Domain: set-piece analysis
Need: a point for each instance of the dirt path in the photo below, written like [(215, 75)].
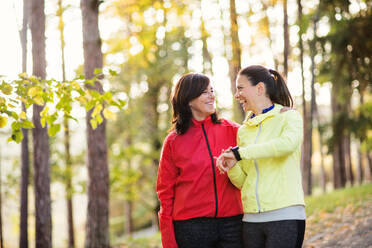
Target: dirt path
[(349, 226)]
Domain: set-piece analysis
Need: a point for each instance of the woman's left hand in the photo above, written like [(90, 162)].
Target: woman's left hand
[(226, 161)]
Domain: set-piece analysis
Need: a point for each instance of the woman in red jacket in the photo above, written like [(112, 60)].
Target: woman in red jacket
[(199, 206)]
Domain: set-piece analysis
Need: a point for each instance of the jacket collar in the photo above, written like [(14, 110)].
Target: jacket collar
[(261, 117), (206, 121)]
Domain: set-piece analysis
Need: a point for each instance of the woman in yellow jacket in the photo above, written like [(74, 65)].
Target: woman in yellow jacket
[(266, 163)]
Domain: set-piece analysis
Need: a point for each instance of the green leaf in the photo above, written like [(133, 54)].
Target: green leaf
[(71, 117), (122, 103), (97, 71), (17, 136), (113, 73), (107, 96), (27, 124), (53, 129), (15, 116)]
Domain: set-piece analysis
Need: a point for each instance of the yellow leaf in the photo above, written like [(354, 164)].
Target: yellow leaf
[(93, 122), (32, 91), (22, 115), (82, 100), (39, 100), (108, 114), (97, 110), (22, 75), (76, 85), (3, 121), (44, 112)]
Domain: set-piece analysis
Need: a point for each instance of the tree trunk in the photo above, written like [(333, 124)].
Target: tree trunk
[(97, 223), (348, 164), (305, 158), (360, 174), (339, 175), (69, 191), (235, 62), (268, 34), (43, 237), (286, 38), (323, 177), (308, 120), (152, 99), (207, 58), (25, 160), (128, 208), (68, 172), (369, 169)]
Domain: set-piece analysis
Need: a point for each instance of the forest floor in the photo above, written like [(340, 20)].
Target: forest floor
[(341, 218), (345, 226)]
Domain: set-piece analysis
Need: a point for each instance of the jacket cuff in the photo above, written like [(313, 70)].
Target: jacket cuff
[(168, 238)]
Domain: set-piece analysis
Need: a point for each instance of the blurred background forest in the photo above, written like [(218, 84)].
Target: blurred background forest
[(76, 182)]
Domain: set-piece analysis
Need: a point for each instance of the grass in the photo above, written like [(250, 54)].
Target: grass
[(339, 198)]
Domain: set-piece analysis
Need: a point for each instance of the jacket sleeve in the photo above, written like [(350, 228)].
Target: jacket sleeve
[(286, 143), (237, 176), (167, 176)]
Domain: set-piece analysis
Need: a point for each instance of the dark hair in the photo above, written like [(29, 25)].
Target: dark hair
[(276, 88), (189, 87)]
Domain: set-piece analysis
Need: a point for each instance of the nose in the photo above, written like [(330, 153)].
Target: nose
[(211, 94), (236, 95)]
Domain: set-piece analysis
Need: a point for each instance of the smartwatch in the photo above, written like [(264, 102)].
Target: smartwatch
[(235, 150)]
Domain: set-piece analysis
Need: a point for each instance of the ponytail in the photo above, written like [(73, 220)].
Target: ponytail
[(276, 88), (282, 94)]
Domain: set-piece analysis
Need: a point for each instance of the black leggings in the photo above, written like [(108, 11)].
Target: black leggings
[(225, 232), (274, 234)]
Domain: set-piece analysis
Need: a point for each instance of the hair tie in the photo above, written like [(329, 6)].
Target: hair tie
[(272, 73)]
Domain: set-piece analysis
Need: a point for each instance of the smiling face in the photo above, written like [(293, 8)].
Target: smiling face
[(246, 93), (204, 105)]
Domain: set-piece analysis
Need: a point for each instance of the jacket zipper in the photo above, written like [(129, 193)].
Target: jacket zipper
[(214, 173), (257, 172)]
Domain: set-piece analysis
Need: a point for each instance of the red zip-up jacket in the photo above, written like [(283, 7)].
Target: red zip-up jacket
[(189, 185)]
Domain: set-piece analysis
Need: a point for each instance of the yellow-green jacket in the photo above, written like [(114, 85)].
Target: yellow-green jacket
[(269, 174)]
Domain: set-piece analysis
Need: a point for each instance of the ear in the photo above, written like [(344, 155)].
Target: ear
[(261, 90)]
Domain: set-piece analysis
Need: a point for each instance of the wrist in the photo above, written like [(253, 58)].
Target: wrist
[(236, 153)]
